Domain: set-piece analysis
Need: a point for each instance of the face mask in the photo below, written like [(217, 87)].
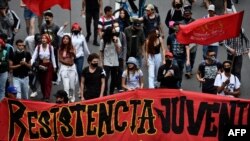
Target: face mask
[(75, 32), (94, 65), (213, 59), (186, 19), (168, 62), (19, 51), (227, 70), (47, 22), (117, 29), (178, 6), (59, 102)]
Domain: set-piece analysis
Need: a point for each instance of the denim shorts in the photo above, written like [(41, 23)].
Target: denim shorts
[(28, 14)]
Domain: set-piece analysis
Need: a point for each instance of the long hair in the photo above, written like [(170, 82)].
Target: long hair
[(152, 37), (68, 46), (108, 35), (135, 69)]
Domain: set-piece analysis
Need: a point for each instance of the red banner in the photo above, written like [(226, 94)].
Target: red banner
[(39, 6), (143, 115), (211, 30)]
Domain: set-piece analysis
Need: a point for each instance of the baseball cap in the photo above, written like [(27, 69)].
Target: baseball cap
[(169, 54), (150, 7), (136, 23), (211, 7), (12, 89)]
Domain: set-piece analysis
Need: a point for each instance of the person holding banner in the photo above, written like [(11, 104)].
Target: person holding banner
[(227, 83)]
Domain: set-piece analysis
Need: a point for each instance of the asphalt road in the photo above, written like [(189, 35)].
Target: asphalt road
[(60, 16)]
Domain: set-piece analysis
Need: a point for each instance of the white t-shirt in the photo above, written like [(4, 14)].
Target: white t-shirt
[(233, 84), (110, 55), (134, 79), (30, 43)]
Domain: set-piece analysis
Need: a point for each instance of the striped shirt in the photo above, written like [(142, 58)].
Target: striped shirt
[(238, 44), (103, 23)]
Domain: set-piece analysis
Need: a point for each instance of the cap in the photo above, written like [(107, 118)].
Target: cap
[(136, 23), (132, 60), (169, 54), (12, 89), (76, 26), (150, 7), (211, 7)]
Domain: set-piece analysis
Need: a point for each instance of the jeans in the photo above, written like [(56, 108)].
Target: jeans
[(3, 79), (22, 87), (120, 71), (205, 48), (192, 59), (95, 16), (180, 63), (69, 75), (141, 7), (113, 70), (237, 65), (154, 63), (79, 66)]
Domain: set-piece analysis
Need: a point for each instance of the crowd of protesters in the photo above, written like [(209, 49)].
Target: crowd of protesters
[(125, 43)]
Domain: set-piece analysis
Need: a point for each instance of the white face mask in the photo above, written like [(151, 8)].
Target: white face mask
[(117, 29)]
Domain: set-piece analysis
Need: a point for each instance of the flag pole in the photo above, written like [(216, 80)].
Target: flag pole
[(70, 18)]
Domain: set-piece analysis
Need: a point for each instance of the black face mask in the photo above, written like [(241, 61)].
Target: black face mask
[(59, 102), (227, 70), (168, 62), (76, 32), (94, 65), (116, 34), (178, 6), (47, 22)]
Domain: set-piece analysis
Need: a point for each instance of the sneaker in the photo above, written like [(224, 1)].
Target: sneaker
[(33, 94), (96, 43)]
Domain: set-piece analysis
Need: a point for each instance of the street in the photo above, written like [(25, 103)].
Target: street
[(61, 16)]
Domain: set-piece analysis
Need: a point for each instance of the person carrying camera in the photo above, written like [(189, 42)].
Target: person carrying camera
[(44, 60)]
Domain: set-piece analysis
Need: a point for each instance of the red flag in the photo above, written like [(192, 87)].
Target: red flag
[(39, 6), (210, 30)]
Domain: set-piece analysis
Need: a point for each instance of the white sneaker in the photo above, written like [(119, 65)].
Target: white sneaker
[(34, 94)]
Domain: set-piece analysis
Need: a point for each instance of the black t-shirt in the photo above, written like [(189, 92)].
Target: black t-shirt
[(17, 58), (171, 81), (52, 32), (209, 72), (92, 83), (151, 24)]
